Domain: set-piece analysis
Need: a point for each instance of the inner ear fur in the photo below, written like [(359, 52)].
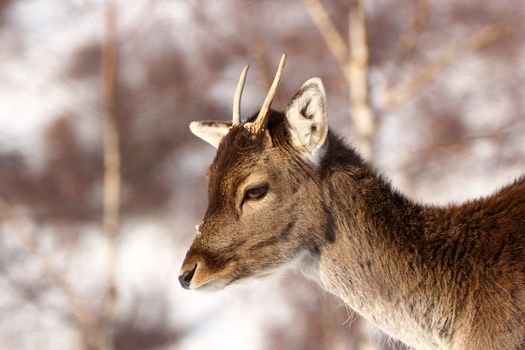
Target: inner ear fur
[(210, 131), (306, 117)]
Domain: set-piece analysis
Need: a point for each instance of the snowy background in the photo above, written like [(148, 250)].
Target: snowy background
[(459, 134)]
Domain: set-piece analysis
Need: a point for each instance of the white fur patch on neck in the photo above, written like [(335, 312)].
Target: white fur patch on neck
[(308, 265), (316, 157)]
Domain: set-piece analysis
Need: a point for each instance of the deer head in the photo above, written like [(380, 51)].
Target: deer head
[(263, 209)]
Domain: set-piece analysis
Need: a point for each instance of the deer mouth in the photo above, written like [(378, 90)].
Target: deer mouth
[(215, 285)]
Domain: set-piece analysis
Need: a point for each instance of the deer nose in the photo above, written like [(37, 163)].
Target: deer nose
[(186, 276)]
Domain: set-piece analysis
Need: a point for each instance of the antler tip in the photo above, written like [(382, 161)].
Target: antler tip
[(260, 122), (236, 118)]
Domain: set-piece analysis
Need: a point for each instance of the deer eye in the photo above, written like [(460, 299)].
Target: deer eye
[(255, 193)]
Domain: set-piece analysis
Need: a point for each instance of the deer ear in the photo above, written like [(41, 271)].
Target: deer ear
[(306, 117), (210, 131)]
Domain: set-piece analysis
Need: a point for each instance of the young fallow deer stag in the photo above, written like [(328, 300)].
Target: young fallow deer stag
[(283, 188)]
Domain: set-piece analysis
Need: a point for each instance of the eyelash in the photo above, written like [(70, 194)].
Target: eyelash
[(255, 193)]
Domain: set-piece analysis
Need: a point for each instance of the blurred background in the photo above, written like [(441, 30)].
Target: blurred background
[(101, 182)]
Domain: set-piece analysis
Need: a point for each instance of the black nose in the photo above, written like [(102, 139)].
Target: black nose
[(185, 278)]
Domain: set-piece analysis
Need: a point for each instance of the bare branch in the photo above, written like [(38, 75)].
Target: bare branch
[(428, 153), (82, 314), (361, 110), (112, 176), (331, 36), (353, 60), (428, 73), (408, 39)]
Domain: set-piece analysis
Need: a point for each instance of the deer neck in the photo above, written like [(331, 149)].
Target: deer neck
[(375, 262)]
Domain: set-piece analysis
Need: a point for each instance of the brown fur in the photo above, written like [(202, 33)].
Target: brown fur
[(434, 277)]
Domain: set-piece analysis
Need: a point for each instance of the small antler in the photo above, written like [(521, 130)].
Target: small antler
[(236, 119), (260, 123)]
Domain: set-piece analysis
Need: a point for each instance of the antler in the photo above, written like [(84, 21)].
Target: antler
[(236, 119), (260, 123)]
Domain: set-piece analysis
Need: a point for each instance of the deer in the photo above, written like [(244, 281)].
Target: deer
[(284, 191)]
